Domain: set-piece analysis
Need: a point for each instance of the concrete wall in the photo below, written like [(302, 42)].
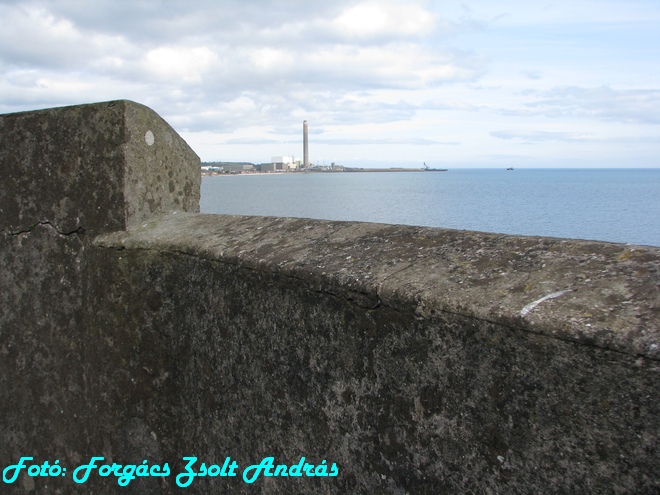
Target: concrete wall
[(418, 360)]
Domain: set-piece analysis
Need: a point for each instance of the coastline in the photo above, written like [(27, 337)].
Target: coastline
[(208, 173)]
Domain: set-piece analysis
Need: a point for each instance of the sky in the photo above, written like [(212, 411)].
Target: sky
[(381, 82)]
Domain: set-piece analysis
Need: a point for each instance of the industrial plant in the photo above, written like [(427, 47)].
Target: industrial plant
[(289, 163), (281, 163)]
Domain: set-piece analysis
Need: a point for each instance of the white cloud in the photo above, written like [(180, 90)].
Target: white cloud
[(604, 103), (383, 19), (33, 36), (272, 60), (532, 74), (400, 65), (527, 136), (539, 136), (407, 73), (184, 64)]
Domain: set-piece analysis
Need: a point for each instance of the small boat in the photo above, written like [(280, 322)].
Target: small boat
[(510, 168)]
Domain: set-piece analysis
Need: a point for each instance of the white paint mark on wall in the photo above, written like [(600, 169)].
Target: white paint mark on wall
[(533, 305)]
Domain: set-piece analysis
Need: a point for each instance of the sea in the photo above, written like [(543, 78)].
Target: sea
[(616, 205)]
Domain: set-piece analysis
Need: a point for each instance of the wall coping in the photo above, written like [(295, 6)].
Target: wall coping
[(592, 293)]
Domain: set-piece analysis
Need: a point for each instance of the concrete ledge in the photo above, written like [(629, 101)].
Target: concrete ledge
[(594, 293), (403, 354), (98, 167)]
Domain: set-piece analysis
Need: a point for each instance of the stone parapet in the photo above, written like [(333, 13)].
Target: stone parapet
[(594, 293), (417, 360)]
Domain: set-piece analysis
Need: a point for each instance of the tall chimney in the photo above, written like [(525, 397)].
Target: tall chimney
[(305, 146)]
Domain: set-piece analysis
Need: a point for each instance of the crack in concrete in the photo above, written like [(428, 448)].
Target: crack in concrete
[(79, 231)]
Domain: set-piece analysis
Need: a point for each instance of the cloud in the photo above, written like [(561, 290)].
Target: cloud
[(382, 141), (365, 72), (195, 60), (183, 64), (257, 141), (569, 137), (534, 75), (378, 20), (640, 106), (34, 37), (539, 136)]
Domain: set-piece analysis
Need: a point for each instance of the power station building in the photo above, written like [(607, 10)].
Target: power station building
[(289, 163), (281, 164)]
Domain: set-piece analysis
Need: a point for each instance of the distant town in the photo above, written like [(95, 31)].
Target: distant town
[(282, 164), (288, 164)]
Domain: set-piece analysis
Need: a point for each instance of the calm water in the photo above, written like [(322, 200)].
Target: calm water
[(608, 205)]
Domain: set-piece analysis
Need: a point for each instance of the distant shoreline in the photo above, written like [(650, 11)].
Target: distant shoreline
[(395, 170), (312, 171)]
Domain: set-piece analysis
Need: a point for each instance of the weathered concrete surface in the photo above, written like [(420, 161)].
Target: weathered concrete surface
[(98, 167), (602, 294), (418, 360), (67, 174), (382, 348)]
